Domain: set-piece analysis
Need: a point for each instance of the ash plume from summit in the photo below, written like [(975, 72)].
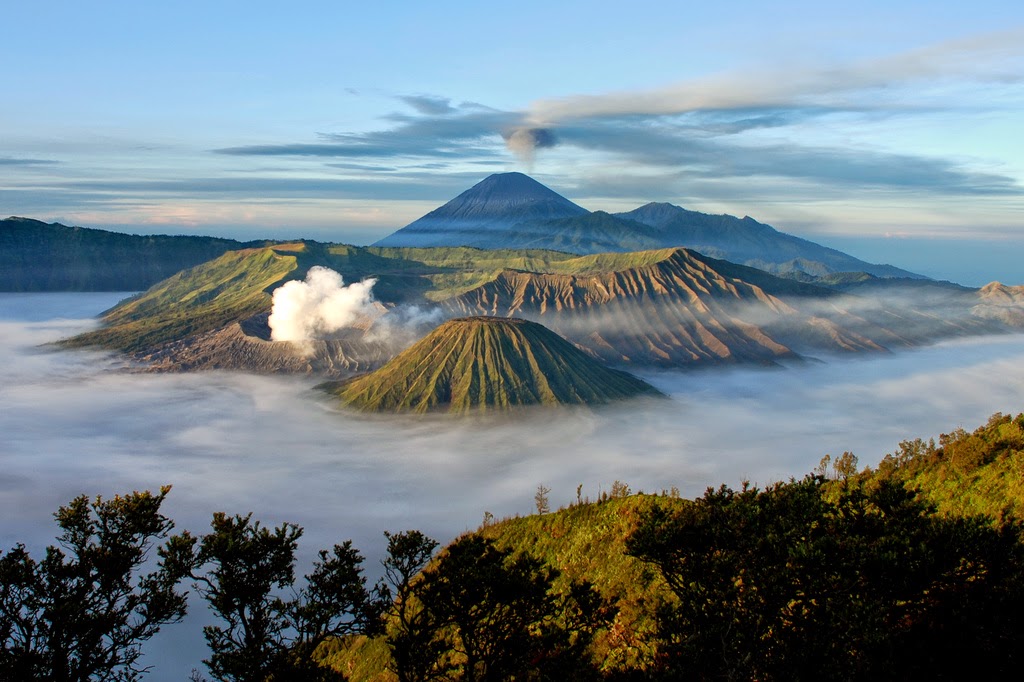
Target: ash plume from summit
[(524, 142)]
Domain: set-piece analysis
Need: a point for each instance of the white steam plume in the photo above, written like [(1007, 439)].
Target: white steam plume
[(404, 325), (320, 305)]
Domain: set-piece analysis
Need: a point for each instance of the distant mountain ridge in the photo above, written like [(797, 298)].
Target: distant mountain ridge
[(514, 211), (745, 240), (38, 256)]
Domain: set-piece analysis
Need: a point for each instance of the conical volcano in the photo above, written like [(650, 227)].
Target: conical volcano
[(496, 203), (479, 364)]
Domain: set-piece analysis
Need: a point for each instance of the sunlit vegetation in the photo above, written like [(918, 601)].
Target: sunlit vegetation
[(911, 570), (208, 296), (965, 473)]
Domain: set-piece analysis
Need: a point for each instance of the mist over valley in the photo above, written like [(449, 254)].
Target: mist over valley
[(76, 422)]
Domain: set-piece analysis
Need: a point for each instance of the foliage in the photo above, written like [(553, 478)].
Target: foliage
[(413, 647), (83, 611), (818, 580), (586, 542), (265, 635), (981, 472), (486, 614)]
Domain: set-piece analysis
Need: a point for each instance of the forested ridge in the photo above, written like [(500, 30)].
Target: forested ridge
[(38, 256), (913, 569)]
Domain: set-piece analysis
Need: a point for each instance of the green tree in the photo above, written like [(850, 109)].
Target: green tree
[(264, 634), (414, 637), (84, 610), (482, 613), (832, 580)]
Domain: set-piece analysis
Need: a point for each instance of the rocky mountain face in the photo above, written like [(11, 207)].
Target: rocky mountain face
[(683, 309), (246, 346), (1001, 303), (478, 364), (668, 307)]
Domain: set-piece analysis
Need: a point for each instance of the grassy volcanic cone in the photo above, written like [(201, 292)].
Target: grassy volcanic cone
[(477, 364)]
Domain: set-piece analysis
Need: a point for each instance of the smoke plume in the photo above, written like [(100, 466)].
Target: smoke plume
[(524, 142), (320, 305)]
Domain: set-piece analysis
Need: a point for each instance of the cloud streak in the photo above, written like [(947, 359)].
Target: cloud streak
[(978, 57), (10, 161), (702, 128)]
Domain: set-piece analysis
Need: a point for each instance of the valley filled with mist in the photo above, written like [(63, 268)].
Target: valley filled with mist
[(75, 421)]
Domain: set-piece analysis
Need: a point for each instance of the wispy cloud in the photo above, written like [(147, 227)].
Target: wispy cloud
[(429, 105), (472, 133), (707, 128), (9, 161), (982, 57)]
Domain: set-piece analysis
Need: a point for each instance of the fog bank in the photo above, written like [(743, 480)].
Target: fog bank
[(74, 423)]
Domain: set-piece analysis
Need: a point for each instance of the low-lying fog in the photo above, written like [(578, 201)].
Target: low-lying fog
[(71, 423)]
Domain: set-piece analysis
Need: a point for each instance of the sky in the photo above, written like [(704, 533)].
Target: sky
[(74, 424), (890, 130)]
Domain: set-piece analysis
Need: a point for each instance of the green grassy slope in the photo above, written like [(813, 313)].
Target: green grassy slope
[(206, 297), (477, 364)]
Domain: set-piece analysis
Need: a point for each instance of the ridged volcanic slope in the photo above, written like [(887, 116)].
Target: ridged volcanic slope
[(477, 364), (674, 310), (677, 308)]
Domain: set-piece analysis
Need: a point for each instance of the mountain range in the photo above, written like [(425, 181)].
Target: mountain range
[(669, 308), (625, 306), (514, 211)]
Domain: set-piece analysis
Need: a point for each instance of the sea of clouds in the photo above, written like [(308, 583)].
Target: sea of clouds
[(75, 422)]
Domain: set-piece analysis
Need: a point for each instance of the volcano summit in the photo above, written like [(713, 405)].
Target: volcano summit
[(476, 217)]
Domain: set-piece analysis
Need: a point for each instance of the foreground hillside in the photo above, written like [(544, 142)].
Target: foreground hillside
[(37, 256), (912, 570)]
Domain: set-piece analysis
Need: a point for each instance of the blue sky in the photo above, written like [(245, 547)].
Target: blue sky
[(891, 130)]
